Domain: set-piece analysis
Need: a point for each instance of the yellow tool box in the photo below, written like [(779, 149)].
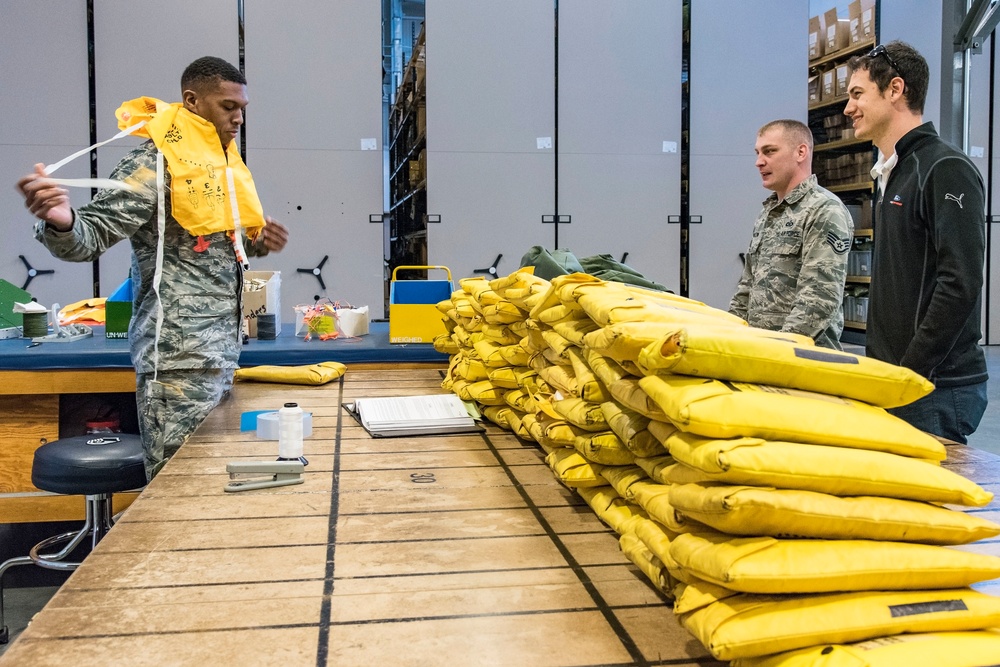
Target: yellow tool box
[(413, 313)]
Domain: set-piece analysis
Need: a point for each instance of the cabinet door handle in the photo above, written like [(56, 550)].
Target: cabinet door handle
[(557, 219)]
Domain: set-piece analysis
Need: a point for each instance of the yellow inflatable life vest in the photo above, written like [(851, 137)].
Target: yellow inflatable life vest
[(199, 168)]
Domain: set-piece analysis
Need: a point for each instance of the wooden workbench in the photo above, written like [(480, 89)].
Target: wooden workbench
[(447, 550), (38, 383), (29, 417)]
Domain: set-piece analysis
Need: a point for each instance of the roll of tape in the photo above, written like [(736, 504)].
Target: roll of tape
[(36, 325), (266, 326), (267, 425)]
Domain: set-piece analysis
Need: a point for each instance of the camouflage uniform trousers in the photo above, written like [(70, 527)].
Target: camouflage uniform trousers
[(173, 406)]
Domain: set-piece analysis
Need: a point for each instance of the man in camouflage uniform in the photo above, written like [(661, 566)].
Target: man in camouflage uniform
[(184, 355), (793, 277)]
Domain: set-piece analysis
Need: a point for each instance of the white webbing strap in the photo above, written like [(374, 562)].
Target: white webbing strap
[(99, 183), (75, 182), (161, 224), (241, 255)]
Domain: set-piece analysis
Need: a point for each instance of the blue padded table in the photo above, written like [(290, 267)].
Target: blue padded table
[(286, 350)]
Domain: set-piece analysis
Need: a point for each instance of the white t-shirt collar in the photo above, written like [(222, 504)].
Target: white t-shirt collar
[(880, 172)]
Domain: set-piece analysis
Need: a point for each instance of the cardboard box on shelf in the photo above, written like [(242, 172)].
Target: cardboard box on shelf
[(421, 77), (837, 32), (261, 294), (416, 173), (864, 211), (814, 89), (865, 219), (861, 15), (843, 74), (817, 38), (829, 85)]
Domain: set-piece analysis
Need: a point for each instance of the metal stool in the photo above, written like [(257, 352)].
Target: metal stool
[(95, 466)]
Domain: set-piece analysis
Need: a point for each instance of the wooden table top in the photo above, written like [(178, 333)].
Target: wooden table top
[(445, 550)]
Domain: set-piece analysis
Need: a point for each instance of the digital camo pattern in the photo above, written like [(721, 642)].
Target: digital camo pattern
[(200, 292), (171, 407), (793, 277), (201, 285)]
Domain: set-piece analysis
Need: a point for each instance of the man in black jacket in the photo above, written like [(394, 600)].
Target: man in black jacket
[(927, 269)]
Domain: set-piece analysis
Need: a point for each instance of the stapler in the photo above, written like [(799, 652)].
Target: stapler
[(250, 475)]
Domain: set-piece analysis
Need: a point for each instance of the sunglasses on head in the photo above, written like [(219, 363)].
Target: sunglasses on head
[(880, 50)]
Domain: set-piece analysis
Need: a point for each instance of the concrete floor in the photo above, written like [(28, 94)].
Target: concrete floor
[(987, 436), (20, 604)]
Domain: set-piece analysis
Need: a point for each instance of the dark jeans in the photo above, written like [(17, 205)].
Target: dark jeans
[(949, 412)]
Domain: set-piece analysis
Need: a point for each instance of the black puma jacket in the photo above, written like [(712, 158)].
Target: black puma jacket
[(927, 268)]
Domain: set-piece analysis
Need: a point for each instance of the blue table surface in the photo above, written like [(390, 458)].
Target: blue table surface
[(285, 350)]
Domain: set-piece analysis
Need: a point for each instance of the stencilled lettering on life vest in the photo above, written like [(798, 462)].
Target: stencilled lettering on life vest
[(173, 135), (208, 195), (213, 194), (192, 194)]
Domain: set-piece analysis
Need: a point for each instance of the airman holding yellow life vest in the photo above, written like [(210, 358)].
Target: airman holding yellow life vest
[(188, 205)]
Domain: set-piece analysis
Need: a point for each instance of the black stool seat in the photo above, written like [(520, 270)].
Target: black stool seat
[(90, 465)]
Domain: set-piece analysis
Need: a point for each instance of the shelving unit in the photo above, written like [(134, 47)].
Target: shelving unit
[(841, 163), (408, 169)]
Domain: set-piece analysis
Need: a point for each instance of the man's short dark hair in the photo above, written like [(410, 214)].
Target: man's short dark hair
[(906, 58), (210, 69), (795, 130)]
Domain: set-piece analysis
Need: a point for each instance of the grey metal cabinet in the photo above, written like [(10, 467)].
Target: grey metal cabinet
[(619, 132), (748, 67), (490, 111), (984, 154), (993, 232), (314, 128), (141, 49), (44, 97)]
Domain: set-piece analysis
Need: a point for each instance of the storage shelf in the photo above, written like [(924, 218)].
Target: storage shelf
[(402, 200), (403, 123), (828, 156), (842, 143), (408, 200), (841, 99), (852, 187), (842, 54), (417, 145)]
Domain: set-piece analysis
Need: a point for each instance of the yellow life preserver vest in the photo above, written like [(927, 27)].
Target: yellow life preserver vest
[(199, 168)]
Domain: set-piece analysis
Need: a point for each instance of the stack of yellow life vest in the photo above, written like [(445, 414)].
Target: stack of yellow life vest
[(756, 479)]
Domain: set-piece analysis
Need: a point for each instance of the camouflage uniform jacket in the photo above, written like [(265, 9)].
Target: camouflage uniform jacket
[(201, 284), (793, 277)]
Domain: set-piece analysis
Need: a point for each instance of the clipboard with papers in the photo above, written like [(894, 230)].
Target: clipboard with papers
[(429, 414)]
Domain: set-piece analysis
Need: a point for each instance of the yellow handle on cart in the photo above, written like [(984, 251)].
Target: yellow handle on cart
[(420, 268)]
